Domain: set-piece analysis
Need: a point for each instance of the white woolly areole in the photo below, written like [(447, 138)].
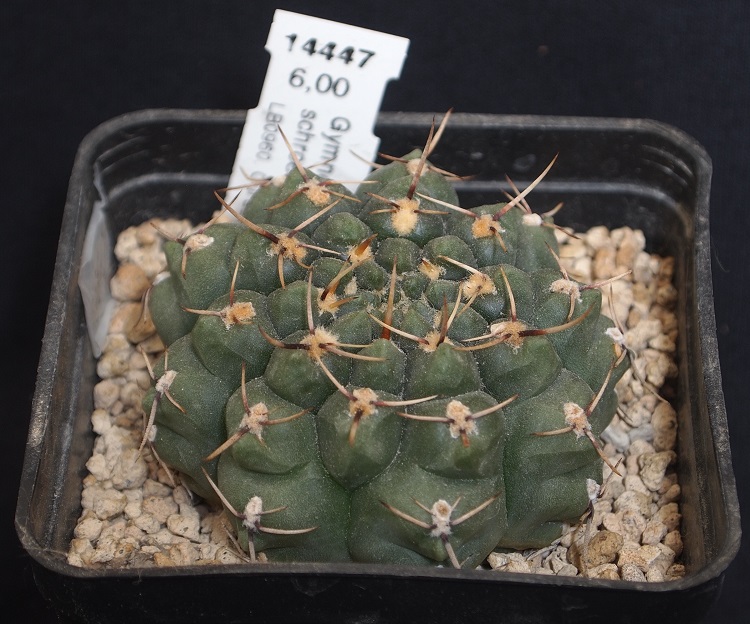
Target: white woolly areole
[(432, 271), (357, 257), (616, 335), (289, 247), (531, 218), (252, 513), (278, 180), (433, 340), (160, 277), (198, 241), (566, 287), (255, 418), (165, 381), (478, 284), (412, 166), (240, 313), (485, 226), (329, 304), (404, 219), (315, 192), (318, 340), (460, 419), (575, 416), (592, 490), (441, 518), (364, 403), (512, 329)]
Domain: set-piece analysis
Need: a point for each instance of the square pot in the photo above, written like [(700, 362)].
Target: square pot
[(166, 163)]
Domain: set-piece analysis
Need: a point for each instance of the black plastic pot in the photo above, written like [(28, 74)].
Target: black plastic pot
[(612, 172)]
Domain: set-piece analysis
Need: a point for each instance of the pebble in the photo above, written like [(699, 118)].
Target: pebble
[(509, 562), (89, 528), (80, 552), (631, 500), (673, 540), (160, 508), (131, 394), (126, 244), (108, 504), (130, 471), (136, 514), (129, 283), (638, 337), (631, 572), (598, 237), (151, 345), (644, 432), (134, 508), (600, 549), (143, 327), (605, 571), (155, 489), (664, 423), (632, 523), (125, 316), (182, 554), (227, 556), (147, 523), (97, 466), (106, 393), (601, 507), (635, 483), (165, 537), (671, 495), (185, 525), (654, 532), (654, 575), (562, 568), (616, 435), (640, 413), (653, 467), (669, 515), (674, 572), (635, 450), (105, 550), (658, 555)]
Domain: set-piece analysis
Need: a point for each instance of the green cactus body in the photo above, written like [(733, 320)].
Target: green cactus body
[(366, 377)]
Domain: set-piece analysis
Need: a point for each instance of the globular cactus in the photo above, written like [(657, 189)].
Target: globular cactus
[(382, 376)]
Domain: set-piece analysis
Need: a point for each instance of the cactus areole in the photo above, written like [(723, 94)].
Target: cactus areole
[(381, 376)]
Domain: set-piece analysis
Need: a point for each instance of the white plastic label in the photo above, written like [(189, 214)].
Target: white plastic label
[(93, 278), (323, 88)]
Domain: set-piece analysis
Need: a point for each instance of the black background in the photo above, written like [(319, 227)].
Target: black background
[(67, 66)]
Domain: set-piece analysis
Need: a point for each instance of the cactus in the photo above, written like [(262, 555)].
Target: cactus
[(382, 376)]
